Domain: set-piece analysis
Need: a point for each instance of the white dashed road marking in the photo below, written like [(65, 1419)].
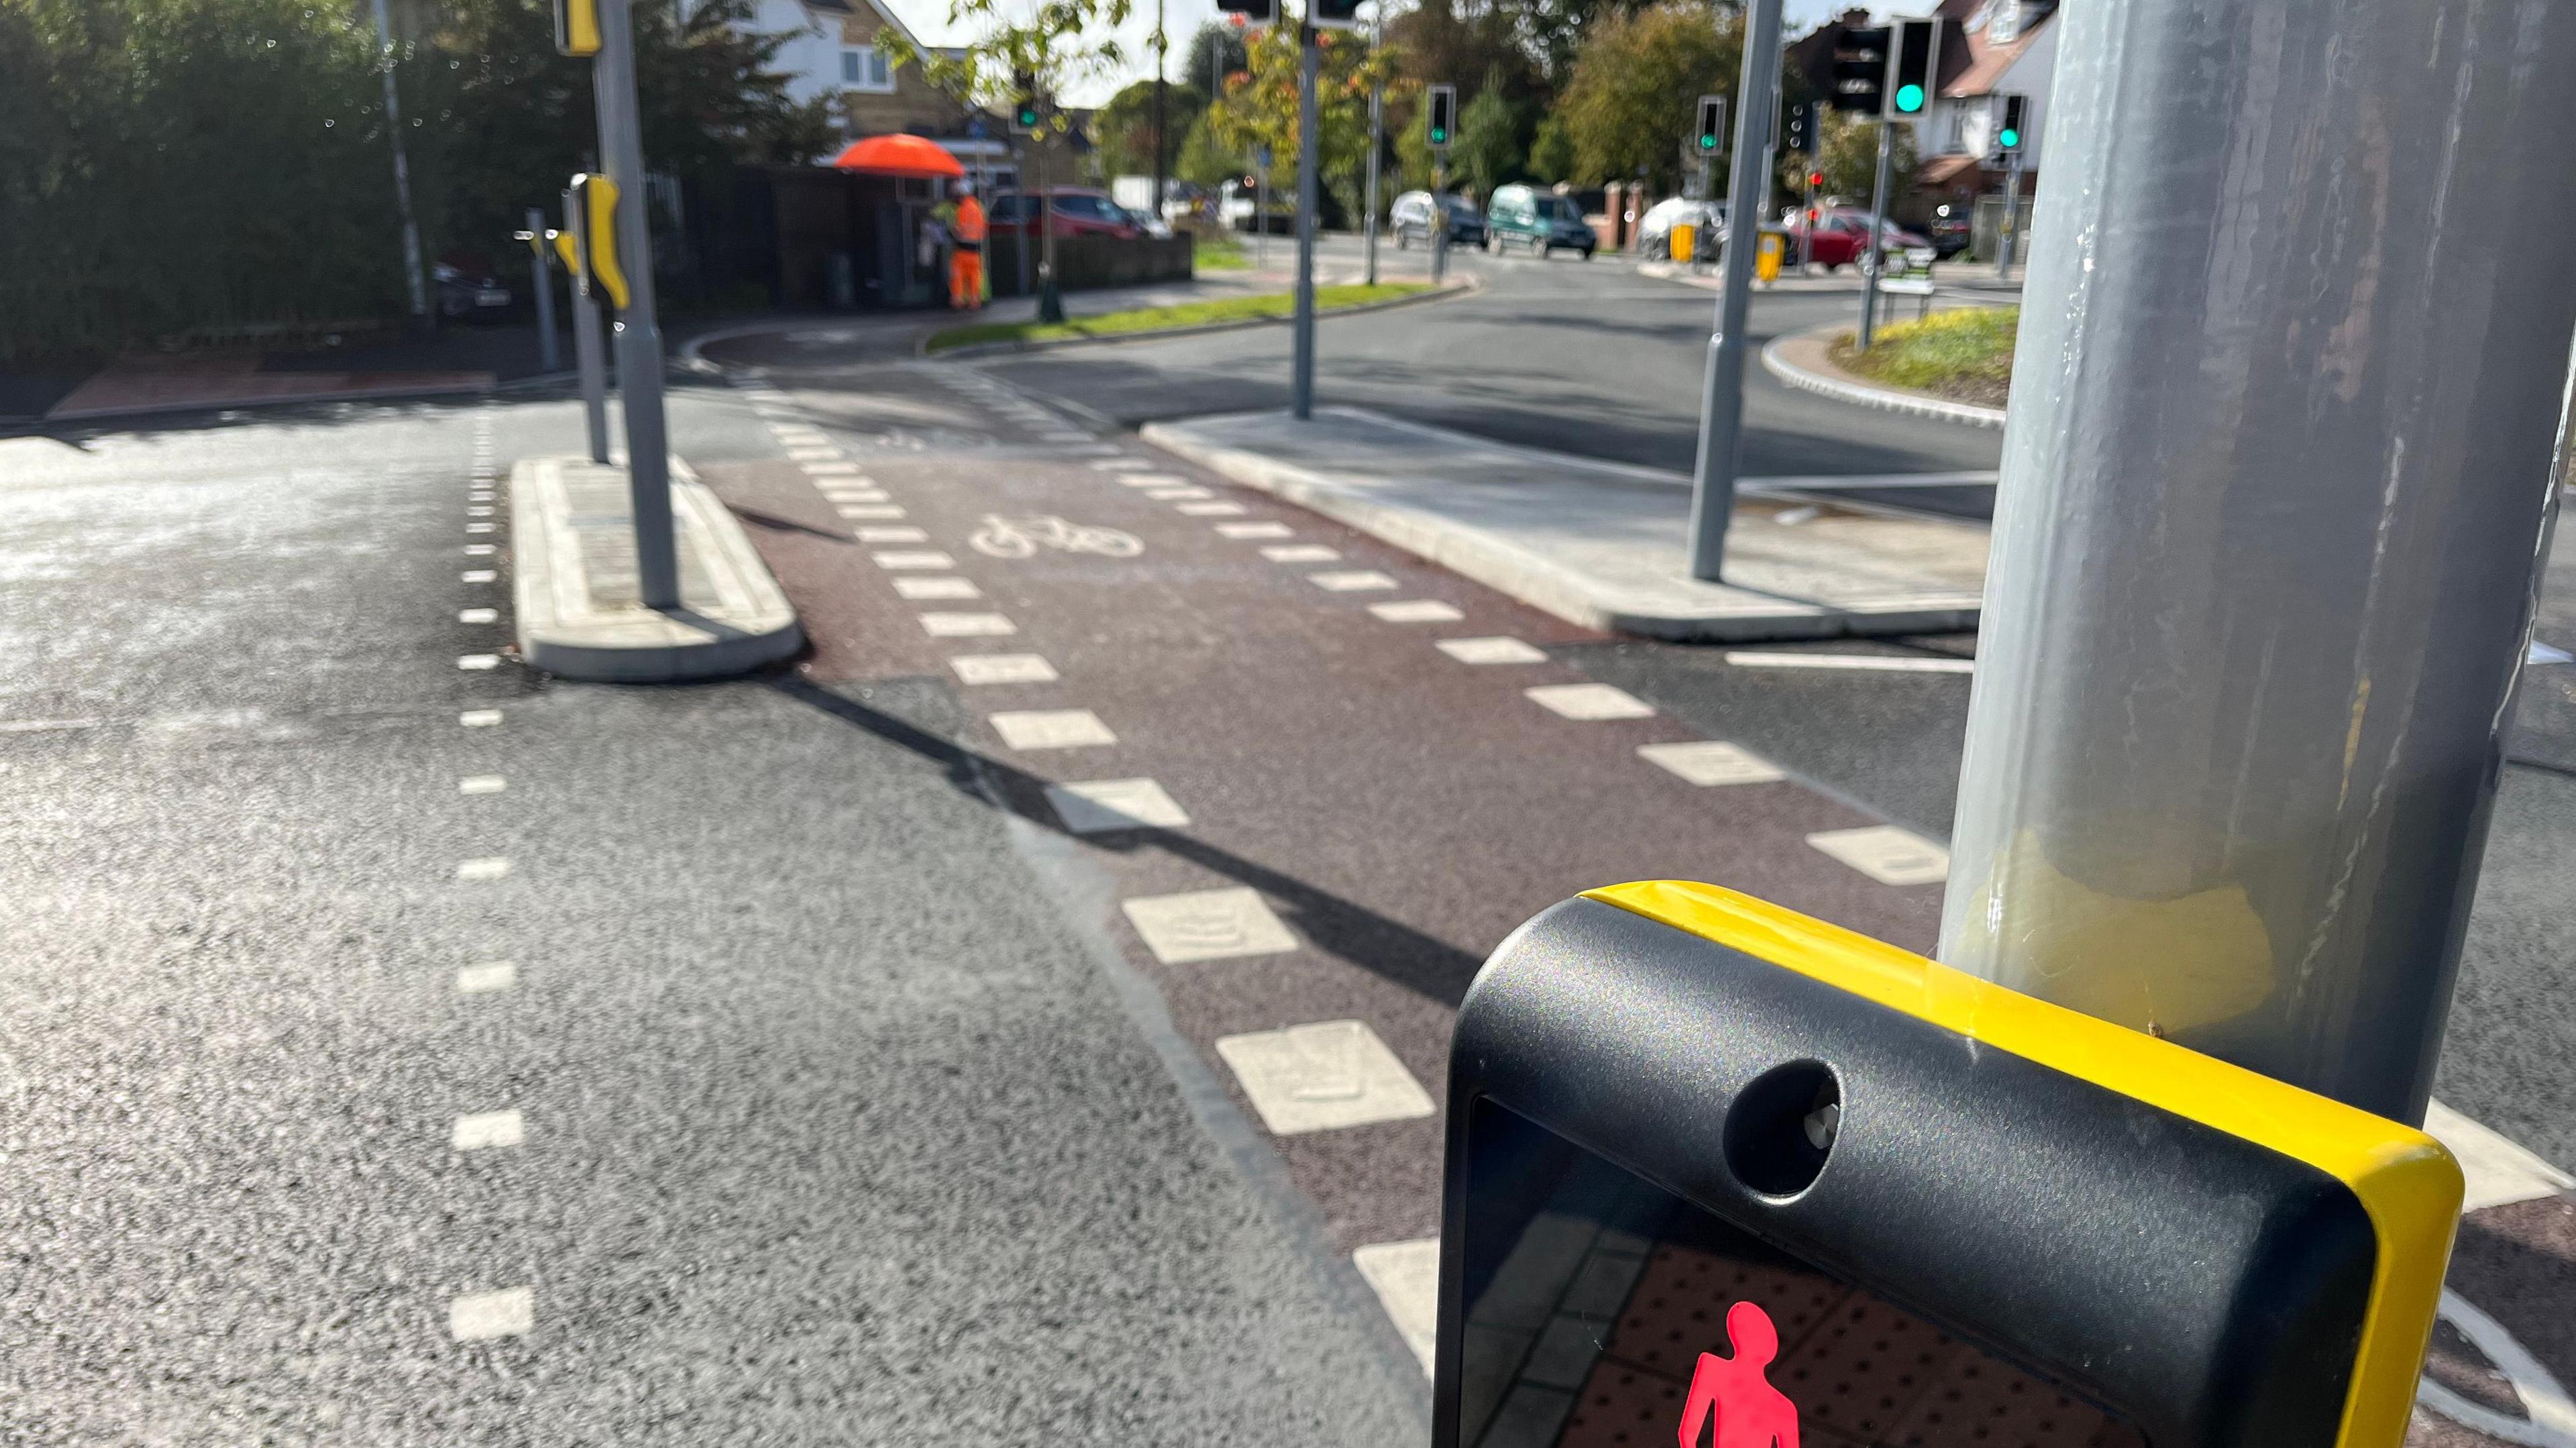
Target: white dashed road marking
[(1152, 480), (1711, 762), (966, 625), (1590, 701), (1323, 1077), (905, 534), (479, 661), (479, 718), (489, 1128), (1357, 580), (1003, 669), (478, 527), (482, 1316), (1301, 553), (1406, 1278), (1880, 663), (1051, 729), (1492, 651), (1214, 508), (1115, 804), (484, 979), (880, 513), (930, 589), (1207, 925), (1174, 495), (478, 615), (489, 868), (1263, 529), (480, 550), (1884, 853), (478, 575), (1417, 610), (919, 559), (482, 784), (823, 469)]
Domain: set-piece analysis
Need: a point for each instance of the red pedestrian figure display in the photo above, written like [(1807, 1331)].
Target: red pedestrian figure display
[(1750, 1412)]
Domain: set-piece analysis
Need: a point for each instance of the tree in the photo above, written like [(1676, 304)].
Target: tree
[(1489, 139), (1204, 159), (1636, 88), (1052, 45), (1122, 132), (1216, 50), (1847, 152), (1551, 154), (1259, 107)]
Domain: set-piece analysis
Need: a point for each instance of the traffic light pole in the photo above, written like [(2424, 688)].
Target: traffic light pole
[(1439, 215), (2264, 563), (1875, 255), (1377, 140), (1301, 379), (639, 334), (586, 358), (2005, 244), (1721, 413), (549, 359)]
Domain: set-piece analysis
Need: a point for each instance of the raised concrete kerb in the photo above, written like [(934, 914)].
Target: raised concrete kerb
[(1800, 361), (1455, 286), (574, 583)]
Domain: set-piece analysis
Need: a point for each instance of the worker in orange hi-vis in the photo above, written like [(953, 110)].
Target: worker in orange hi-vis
[(966, 263)]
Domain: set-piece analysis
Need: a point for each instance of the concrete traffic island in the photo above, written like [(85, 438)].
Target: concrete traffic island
[(575, 588), (1601, 544), (1804, 360)]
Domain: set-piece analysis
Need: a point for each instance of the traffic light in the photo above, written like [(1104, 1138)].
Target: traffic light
[(1254, 12), (2008, 129), (1024, 103), (1914, 71), (1798, 131), (1333, 14), (1712, 124), (577, 27), (1859, 69), (594, 218), (1444, 113)]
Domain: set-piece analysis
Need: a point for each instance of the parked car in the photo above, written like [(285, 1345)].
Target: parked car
[(1411, 221), (1071, 211), (1539, 220), (1655, 228), (1950, 230), (465, 296), (1841, 236)]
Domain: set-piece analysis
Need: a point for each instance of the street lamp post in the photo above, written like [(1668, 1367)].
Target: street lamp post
[(1301, 381)]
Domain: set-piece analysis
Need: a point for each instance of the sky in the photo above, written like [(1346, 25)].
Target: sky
[(928, 19)]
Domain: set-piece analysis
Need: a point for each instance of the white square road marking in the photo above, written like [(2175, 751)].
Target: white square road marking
[(478, 615), (488, 868), (479, 718), (1263, 529), (483, 1316), (1496, 650), (1357, 580), (1153, 480), (1711, 762), (1115, 804), (482, 784), (1301, 553), (1590, 701), (1323, 1077), (904, 534), (1406, 1278), (1174, 495), (1207, 925), (478, 575), (492, 975), (926, 558), (1884, 853), (479, 661), (966, 625), (1212, 508), (1003, 669), (488, 1128), (936, 588), (1416, 610), (1051, 729)]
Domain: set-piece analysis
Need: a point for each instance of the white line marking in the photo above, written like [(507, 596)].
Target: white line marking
[(2542, 653), (813, 454), (1709, 762), (831, 469), (1051, 729), (484, 979), (936, 588), (1122, 465), (1096, 805), (1255, 530), (862, 505), (478, 527), (1589, 701), (478, 575), (893, 535), (1497, 650), (1323, 1077), (480, 550), (1207, 925), (1417, 610), (923, 558), (478, 512), (482, 784), (2499, 1171), (881, 512), (1003, 669), (1884, 853), (1406, 1278), (483, 1316), (966, 625), (1301, 553), (1356, 580), (1153, 480), (478, 615), (488, 1128), (1174, 495), (1875, 662), (490, 867), (1213, 508), (479, 661), (479, 718)]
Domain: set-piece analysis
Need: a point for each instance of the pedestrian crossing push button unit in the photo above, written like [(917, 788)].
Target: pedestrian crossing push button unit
[(1719, 1174)]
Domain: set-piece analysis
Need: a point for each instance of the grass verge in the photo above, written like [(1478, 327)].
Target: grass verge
[(1219, 251), (1164, 319), (1965, 355)]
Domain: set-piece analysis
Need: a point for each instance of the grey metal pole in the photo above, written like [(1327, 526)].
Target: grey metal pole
[(1721, 409), (412, 278), (2264, 561), (1261, 213), (1301, 373), (548, 358), (639, 336), (1162, 63), (1376, 142), (1875, 254), (1439, 217), (1024, 167), (2012, 215), (586, 352)]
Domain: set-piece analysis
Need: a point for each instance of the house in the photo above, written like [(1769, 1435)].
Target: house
[(2011, 50), (835, 49)]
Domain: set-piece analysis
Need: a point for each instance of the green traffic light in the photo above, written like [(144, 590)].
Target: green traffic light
[(1909, 98), (2009, 139), (1439, 137), (1707, 142)]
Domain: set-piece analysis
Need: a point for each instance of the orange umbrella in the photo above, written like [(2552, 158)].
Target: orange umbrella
[(898, 156)]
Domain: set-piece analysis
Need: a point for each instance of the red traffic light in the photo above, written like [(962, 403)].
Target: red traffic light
[(1815, 178)]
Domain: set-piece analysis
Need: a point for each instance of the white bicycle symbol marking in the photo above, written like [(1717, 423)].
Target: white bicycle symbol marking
[(1022, 537)]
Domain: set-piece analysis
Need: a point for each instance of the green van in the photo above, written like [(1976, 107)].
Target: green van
[(1540, 220)]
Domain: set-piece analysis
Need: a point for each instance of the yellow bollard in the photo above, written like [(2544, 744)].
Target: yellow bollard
[(1766, 258), (1684, 238)]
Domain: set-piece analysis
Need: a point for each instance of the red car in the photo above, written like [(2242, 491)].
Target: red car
[(1071, 211), (1838, 239)]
